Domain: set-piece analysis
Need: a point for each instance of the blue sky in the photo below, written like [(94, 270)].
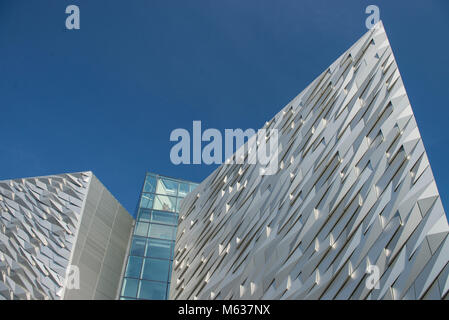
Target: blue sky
[(106, 97)]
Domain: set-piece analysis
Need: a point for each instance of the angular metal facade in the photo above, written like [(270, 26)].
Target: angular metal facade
[(352, 213), (50, 224)]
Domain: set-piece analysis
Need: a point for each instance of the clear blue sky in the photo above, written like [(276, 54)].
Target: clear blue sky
[(106, 97)]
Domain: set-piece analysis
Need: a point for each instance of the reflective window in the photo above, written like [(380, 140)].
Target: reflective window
[(170, 267), (158, 248), (130, 287), (168, 289), (152, 290), (150, 184), (138, 246), (155, 269), (184, 189), (134, 266), (162, 232), (164, 217), (192, 187), (178, 204), (141, 229), (148, 271), (165, 203), (167, 187), (144, 215), (147, 201), (172, 251)]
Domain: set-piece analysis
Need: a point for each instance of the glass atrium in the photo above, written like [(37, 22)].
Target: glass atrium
[(148, 270)]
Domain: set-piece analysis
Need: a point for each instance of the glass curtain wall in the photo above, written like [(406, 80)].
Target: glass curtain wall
[(148, 270)]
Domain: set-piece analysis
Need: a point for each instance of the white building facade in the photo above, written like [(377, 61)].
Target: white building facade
[(353, 211), (61, 237)]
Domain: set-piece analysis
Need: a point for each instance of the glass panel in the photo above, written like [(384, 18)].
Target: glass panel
[(165, 203), (170, 271), (155, 269), (141, 229), (193, 186), (159, 249), (173, 250), (184, 189), (134, 266), (147, 201), (144, 215), (167, 187), (130, 287), (178, 204), (138, 247), (160, 231), (168, 289), (150, 184), (164, 217), (152, 290)]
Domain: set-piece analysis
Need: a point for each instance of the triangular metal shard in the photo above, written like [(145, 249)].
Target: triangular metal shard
[(353, 211)]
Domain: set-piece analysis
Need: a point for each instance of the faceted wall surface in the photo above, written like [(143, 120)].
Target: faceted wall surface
[(353, 211), (49, 223)]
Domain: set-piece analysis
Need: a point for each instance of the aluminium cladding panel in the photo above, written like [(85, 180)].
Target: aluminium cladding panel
[(354, 200), (101, 246), (39, 218)]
